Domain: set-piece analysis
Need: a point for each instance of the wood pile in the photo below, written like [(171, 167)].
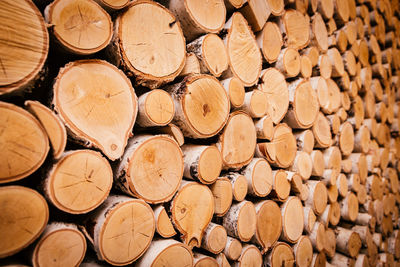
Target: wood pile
[(200, 133)]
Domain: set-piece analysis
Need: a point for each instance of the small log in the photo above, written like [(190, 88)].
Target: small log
[(259, 177), (156, 108), (324, 67), (166, 251), (349, 207), (297, 186), (192, 209), (255, 103), (296, 27), (265, 127), (313, 54), (354, 182), (305, 66), (239, 185), (250, 256), (84, 117), (70, 19), (303, 251), (346, 138), (222, 192), (292, 219), (347, 242), (192, 65), (309, 219), (119, 222), (222, 260), (235, 90), (317, 236), (211, 52), (333, 159), (318, 196), (365, 234), (318, 164), (237, 154), (25, 214), (341, 183), (148, 172), (359, 165), (330, 242), (269, 224), (322, 131), (336, 61), (341, 260), (302, 164), (319, 33), (280, 255), (214, 238), (288, 62), (21, 155), (280, 185), (233, 248), (270, 41), (305, 140), (273, 84), (173, 131), (201, 105), (244, 64), (256, 13), (201, 260), (361, 140), (241, 220), (319, 260), (60, 242), (164, 225)]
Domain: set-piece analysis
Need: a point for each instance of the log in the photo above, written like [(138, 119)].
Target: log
[(79, 182), (296, 27), (255, 103), (297, 186), (303, 251), (235, 90), (274, 85), (223, 192), (330, 242), (342, 185), (239, 185), (119, 222), (201, 260), (21, 155), (289, 62), (166, 251), (192, 65), (319, 33), (256, 13), (347, 242), (317, 237), (302, 164), (148, 172), (211, 52), (346, 138), (192, 201), (325, 7), (305, 66), (305, 141), (341, 260), (112, 6), (156, 108), (126, 49), (214, 238), (292, 219), (244, 64), (309, 219), (233, 248), (70, 19), (260, 179), (76, 97), (237, 141), (22, 64), (362, 139), (222, 260), (201, 105), (164, 225), (322, 132), (61, 243), (241, 220), (25, 214), (270, 41), (349, 207), (317, 163), (264, 127), (318, 196), (280, 255), (173, 131), (251, 256)]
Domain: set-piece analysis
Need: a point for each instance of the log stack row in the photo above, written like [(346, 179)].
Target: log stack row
[(200, 133)]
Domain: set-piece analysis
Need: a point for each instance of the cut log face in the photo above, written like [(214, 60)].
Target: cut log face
[(21, 64), (113, 5), (72, 18), (346, 138), (269, 224), (292, 219), (192, 210), (259, 177), (348, 242), (349, 207), (239, 185), (156, 108), (163, 224), (238, 140), (214, 238), (25, 214), (233, 248), (303, 252), (274, 85), (79, 182), (148, 172), (24, 143), (281, 185), (54, 127), (197, 18), (270, 41), (318, 196), (166, 251), (87, 96), (330, 242), (61, 243), (250, 256), (322, 131), (173, 131), (289, 62), (201, 260), (222, 192), (144, 55), (255, 103), (244, 64), (122, 224), (319, 32), (201, 105), (297, 29), (192, 65), (280, 255), (241, 220), (235, 89)]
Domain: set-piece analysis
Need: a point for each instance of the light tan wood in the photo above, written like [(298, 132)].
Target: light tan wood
[(309, 219), (234, 4), (342, 260), (303, 251), (211, 52), (192, 65), (264, 127), (342, 185), (256, 13), (121, 224), (313, 54), (244, 64), (156, 108), (305, 66), (259, 177), (297, 186), (317, 237), (318, 164), (255, 103), (280, 185), (166, 251), (325, 7), (222, 260), (296, 27), (235, 90), (112, 5), (280, 255), (25, 214), (319, 33), (292, 219), (241, 220), (173, 131), (305, 140), (80, 27), (347, 242), (346, 138), (302, 164), (322, 132), (223, 194), (24, 143), (318, 196), (289, 62), (270, 41), (275, 87), (21, 65), (61, 243), (330, 242), (237, 141), (164, 225), (233, 248), (148, 172), (349, 207), (193, 200), (239, 185), (324, 67), (251, 256), (214, 238), (78, 87)]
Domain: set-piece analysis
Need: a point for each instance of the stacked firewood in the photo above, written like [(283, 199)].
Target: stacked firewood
[(200, 133)]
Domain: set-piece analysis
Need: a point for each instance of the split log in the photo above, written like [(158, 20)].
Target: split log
[(313, 54), (121, 224), (239, 185), (223, 192), (22, 64), (24, 143), (280, 255), (156, 108), (166, 251), (61, 243), (324, 67), (237, 141), (25, 214), (289, 62), (303, 252), (297, 186), (305, 66), (192, 209), (244, 64), (71, 18), (296, 27), (347, 242), (79, 89), (211, 52), (201, 105), (270, 41), (259, 177), (192, 65), (214, 238), (269, 224), (256, 13), (292, 219), (241, 220), (164, 225), (79, 182), (233, 248), (235, 90), (251, 256), (148, 172)]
